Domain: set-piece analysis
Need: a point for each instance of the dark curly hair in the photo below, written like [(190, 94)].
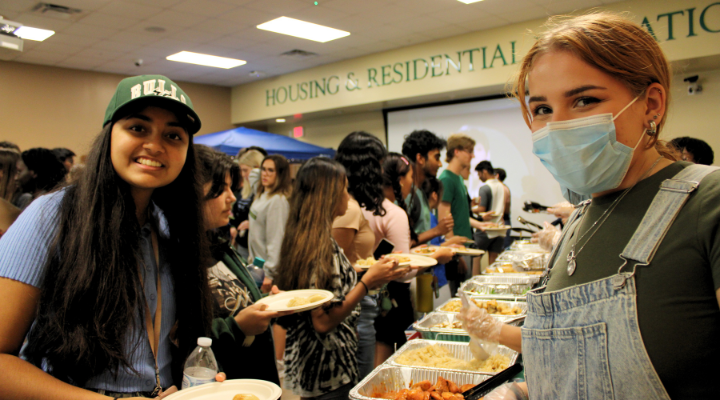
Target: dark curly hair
[(701, 151), (421, 142), (49, 171), (361, 154)]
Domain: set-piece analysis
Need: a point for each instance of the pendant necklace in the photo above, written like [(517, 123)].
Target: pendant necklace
[(572, 256)]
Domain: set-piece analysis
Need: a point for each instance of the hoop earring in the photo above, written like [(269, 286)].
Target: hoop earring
[(653, 129)]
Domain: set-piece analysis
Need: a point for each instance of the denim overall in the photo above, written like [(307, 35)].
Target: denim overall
[(584, 342)]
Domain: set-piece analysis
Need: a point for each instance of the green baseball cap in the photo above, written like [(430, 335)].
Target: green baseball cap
[(153, 90)]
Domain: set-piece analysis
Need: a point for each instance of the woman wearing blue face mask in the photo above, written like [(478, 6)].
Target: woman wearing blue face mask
[(630, 307)]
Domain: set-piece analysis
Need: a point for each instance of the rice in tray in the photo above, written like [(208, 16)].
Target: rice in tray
[(436, 356)]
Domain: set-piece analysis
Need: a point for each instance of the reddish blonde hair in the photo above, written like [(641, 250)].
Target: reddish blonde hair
[(610, 42)]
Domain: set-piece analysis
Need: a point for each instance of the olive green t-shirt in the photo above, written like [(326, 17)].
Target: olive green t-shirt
[(455, 193), (677, 306)]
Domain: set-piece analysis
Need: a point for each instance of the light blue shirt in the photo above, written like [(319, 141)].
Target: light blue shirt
[(24, 249)]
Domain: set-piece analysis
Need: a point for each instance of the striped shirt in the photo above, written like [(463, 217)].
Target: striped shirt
[(24, 250)]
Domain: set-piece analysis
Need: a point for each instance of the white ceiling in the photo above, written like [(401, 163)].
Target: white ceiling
[(109, 35)]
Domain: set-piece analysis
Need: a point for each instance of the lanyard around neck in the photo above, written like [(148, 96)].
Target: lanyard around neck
[(153, 329)]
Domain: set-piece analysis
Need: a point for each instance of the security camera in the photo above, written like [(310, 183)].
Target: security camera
[(138, 62), (693, 86)]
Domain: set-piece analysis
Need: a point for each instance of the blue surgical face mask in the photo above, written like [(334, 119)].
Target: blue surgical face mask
[(583, 154)]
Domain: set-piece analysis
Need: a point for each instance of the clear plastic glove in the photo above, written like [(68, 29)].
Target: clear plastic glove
[(562, 210), (548, 237), (477, 322), (507, 391)]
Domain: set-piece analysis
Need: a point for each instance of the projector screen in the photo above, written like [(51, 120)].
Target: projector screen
[(501, 137)]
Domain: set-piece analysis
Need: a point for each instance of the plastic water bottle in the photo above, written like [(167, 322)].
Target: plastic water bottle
[(256, 270), (201, 367)]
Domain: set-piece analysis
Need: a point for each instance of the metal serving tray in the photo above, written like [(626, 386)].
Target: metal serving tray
[(500, 286), (426, 328), (520, 304), (388, 378), (458, 350)]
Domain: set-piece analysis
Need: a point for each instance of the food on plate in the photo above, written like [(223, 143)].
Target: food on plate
[(493, 225), (400, 259), (443, 389), (437, 356), (367, 262), (242, 396), (448, 325), (492, 307), (298, 301), (315, 298), (425, 249), (302, 301)]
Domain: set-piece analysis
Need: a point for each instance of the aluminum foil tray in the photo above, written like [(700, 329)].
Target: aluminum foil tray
[(520, 304), (501, 286), (458, 350), (426, 327), (387, 378)]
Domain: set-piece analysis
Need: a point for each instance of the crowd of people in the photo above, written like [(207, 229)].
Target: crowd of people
[(112, 268)]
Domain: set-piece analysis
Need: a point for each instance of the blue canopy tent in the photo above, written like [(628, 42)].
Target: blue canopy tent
[(231, 141)]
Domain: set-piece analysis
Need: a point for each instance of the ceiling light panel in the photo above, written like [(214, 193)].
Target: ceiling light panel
[(206, 60), (302, 29), (470, 1), (36, 34)]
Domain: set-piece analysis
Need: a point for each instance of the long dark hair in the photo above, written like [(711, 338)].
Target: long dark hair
[(283, 181), (214, 167), (49, 170), (307, 250), (361, 154), (91, 294)]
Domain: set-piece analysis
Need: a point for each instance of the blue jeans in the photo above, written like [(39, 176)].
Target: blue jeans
[(366, 336)]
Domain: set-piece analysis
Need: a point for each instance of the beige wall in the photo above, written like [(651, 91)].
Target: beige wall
[(43, 106), (330, 131), (696, 116)]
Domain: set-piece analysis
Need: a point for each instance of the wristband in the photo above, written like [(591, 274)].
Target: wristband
[(367, 289)]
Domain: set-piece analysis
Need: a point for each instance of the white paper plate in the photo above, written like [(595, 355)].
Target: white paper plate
[(417, 260), (418, 252), (278, 302), (402, 264), (227, 390), (466, 251)]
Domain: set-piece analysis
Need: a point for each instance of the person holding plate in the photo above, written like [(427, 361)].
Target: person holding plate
[(320, 349), (241, 328)]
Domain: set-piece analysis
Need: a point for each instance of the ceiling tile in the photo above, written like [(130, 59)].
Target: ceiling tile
[(37, 21), (8, 14), (105, 20), (525, 14), (220, 26), (175, 18), (99, 53), (41, 57), (279, 6), (237, 2), (247, 18), (484, 23), (204, 7), (318, 15), (18, 5), (498, 7), (120, 47), (75, 40), (85, 63), (56, 47), (85, 5), (9, 55), (157, 3), (372, 7), (194, 36), (94, 31), (135, 38), (568, 6), (456, 15), (132, 10), (426, 6)]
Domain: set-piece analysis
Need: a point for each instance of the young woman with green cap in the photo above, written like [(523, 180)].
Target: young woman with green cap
[(118, 299)]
